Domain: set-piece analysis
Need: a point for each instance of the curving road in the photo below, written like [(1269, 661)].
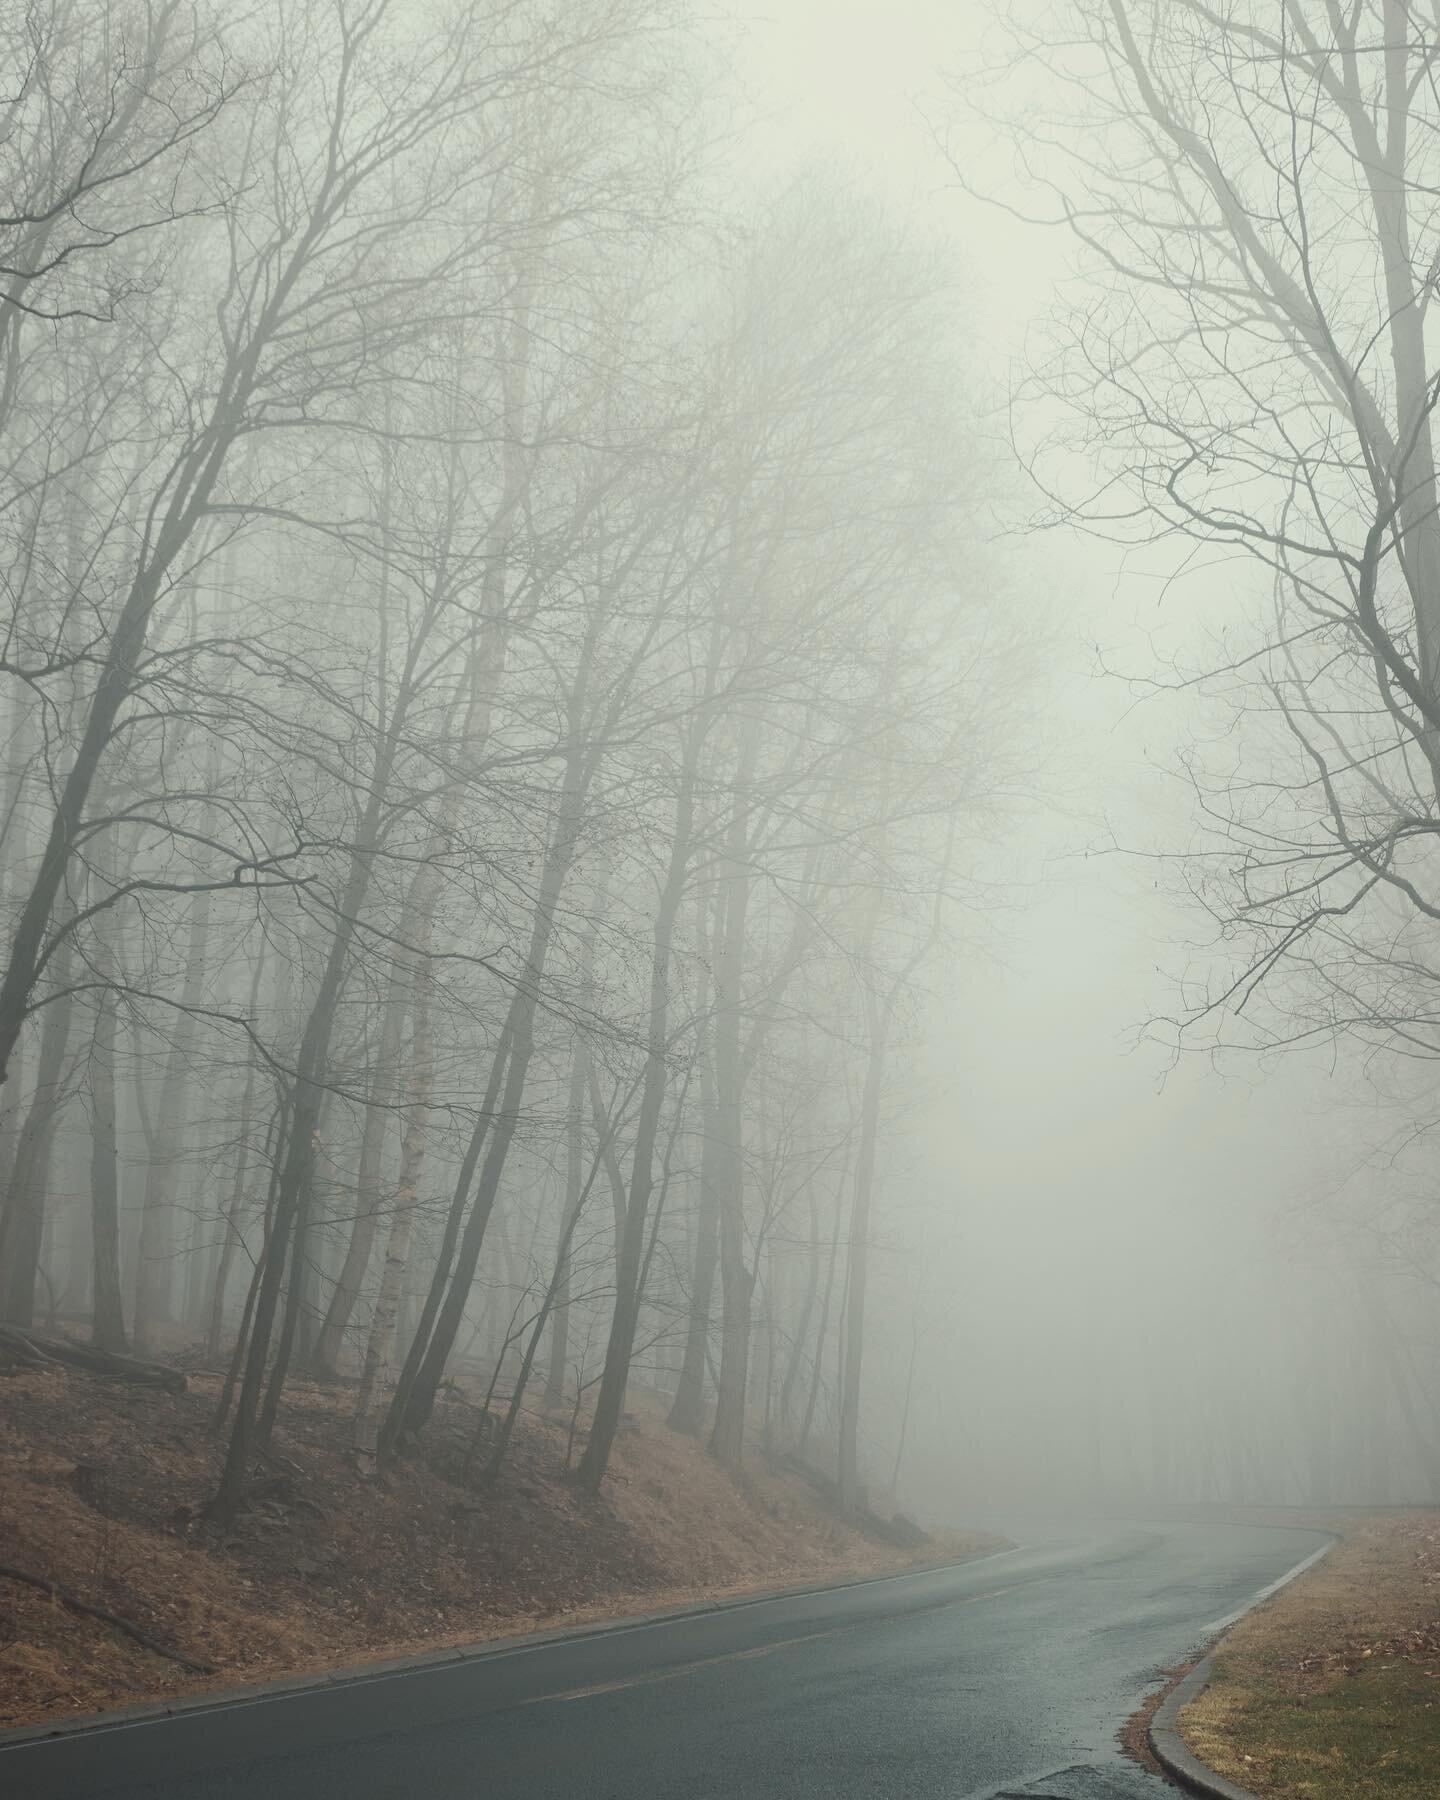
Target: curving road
[(1008, 1675)]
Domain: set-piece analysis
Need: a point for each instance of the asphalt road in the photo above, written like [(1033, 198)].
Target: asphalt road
[(1007, 1675)]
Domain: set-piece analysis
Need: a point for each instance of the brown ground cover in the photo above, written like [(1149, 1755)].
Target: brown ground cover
[(102, 1486), (1331, 1691)]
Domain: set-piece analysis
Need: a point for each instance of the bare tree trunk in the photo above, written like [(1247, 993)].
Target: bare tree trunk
[(154, 1282), (325, 1362), (306, 1316), (770, 1300), (807, 1310), (410, 1411), (610, 1161), (807, 1425), (107, 1319), (610, 1402), (22, 1230), (15, 848), (880, 1015), (574, 1158), (295, 1301), (252, 1291), (561, 1264), (12, 1117), (445, 1253), (905, 1406), (727, 1435), (380, 1347), (234, 1212), (857, 1260), (687, 1409), (625, 1318)]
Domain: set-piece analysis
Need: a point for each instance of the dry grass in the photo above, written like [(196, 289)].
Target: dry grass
[(1331, 1691), (101, 1489)]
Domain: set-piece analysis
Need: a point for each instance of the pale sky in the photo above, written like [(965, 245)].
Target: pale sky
[(859, 80)]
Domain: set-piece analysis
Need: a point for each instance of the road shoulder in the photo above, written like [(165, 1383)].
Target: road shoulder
[(1327, 1688)]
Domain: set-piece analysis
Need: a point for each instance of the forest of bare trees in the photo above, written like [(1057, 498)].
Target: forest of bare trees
[(500, 718), (515, 691), (719, 895)]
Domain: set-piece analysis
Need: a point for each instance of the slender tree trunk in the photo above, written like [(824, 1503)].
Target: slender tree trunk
[(107, 1319), (445, 1254), (631, 1238), (154, 1282), (610, 1402), (229, 1245), (807, 1309), (574, 1160), (430, 1369), (313, 1216), (727, 1435), (905, 1409), (297, 1297), (234, 1212), (252, 1291), (562, 1262), (291, 1186), (687, 1409), (14, 852), (857, 1261), (22, 1231), (610, 1161), (325, 1362), (807, 1425), (380, 1347)]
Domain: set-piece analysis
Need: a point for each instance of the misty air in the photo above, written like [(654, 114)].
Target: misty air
[(719, 899)]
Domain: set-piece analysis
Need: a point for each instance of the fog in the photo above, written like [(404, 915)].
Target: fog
[(603, 807), (1153, 1258)]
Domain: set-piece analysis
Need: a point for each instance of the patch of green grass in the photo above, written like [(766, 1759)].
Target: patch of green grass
[(1361, 1736)]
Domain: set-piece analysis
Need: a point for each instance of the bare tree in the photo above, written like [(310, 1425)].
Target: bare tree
[(1249, 376)]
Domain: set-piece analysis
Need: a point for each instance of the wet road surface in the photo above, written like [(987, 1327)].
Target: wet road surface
[(1008, 1675)]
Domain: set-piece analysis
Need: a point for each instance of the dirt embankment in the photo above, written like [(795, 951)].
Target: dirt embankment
[(101, 1490)]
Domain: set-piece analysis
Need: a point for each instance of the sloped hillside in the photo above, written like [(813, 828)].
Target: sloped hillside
[(102, 1487)]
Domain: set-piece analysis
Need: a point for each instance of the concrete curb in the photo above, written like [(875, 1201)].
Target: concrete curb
[(1174, 1754), (1171, 1751), (222, 1699)]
